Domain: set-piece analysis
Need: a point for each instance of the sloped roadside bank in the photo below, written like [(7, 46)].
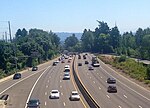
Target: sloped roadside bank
[(136, 72)]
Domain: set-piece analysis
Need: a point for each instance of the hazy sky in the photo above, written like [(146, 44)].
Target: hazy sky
[(74, 15)]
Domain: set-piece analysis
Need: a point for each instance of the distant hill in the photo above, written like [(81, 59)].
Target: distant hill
[(64, 35)]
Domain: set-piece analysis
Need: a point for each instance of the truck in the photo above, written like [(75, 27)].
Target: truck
[(95, 61)]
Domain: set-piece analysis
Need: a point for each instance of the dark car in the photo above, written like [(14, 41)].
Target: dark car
[(111, 80), (112, 89), (79, 64), (84, 56), (54, 63), (79, 56), (86, 62), (33, 103), (35, 68), (17, 76)]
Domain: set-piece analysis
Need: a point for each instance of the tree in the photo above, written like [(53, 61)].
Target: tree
[(114, 37), (138, 37), (71, 41), (24, 32), (18, 33), (87, 40)]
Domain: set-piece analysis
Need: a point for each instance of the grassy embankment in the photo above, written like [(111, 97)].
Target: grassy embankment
[(135, 70)]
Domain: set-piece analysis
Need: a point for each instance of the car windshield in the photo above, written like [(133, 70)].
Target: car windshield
[(74, 93), (54, 91), (33, 101)]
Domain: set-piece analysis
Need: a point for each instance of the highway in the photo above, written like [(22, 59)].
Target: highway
[(129, 94), (38, 84)]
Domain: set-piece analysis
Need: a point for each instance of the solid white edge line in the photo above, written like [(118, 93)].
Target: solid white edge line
[(17, 83), (34, 86)]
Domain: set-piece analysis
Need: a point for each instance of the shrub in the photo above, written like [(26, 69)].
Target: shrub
[(122, 58)]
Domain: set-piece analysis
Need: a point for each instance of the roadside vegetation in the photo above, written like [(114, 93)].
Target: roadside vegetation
[(134, 69), (27, 49)]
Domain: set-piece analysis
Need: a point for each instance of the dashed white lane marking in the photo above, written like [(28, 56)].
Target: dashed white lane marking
[(119, 106), (47, 86), (60, 86), (125, 96), (60, 76), (93, 81), (45, 103), (107, 96), (99, 88), (61, 93), (140, 106), (101, 77), (48, 81), (97, 73), (60, 80), (45, 93), (64, 103), (90, 77)]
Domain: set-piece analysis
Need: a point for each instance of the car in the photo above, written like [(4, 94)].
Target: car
[(111, 80), (54, 94), (66, 76), (69, 61), (57, 61), (33, 103), (79, 56), (74, 96), (112, 89), (67, 69), (86, 62), (4, 100), (63, 61), (79, 64), (84, 56), (91, 68), (67, 66), (34, 68), (17, 76), (54, 63)]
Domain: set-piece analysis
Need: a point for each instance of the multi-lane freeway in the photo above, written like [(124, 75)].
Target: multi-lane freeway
[(38, 85), (129, 95)]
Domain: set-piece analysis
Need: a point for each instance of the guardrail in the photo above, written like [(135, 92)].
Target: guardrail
[(89, 99)]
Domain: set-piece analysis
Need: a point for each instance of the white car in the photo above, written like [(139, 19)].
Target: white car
[(74, 96), (66, 75), (54, 94), (67, 69), (67, 66)]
